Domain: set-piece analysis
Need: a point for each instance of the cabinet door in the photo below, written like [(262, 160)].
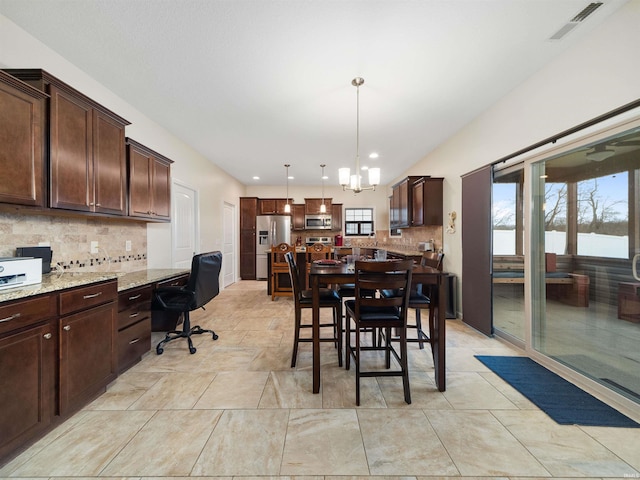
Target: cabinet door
[(336, 217), (297, 214), (433, 203), (27, 385), (418, 204), (403, 204), (312, 205), (87, 355), (248, 254), (281, 204), (161, 190), (139, 183), (267, 206), (21, 143), (109, 165), (71, 133), (248, 212)]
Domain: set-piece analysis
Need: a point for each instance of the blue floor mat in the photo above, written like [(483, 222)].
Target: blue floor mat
[(561, 400)]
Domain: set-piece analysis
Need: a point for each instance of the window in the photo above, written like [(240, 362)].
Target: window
[(603, 216), (358, 221), (555, 217)]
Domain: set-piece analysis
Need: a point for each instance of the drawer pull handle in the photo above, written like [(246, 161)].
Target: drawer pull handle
[(12, 317), (92, 296), (135, 297), (134, 315), (135, 340), (66, 328), (47, 336)]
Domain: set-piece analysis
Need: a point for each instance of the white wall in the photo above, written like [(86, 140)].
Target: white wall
[(597, 75), (214, 186)]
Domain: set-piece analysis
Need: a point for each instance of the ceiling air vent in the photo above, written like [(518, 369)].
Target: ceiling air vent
[(573, 23)]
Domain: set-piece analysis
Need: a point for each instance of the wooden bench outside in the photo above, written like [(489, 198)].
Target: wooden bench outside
[(565, 287)]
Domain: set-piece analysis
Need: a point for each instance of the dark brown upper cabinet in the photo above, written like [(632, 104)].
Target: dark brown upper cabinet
[(416, 201), (86, 152), (312, 205), (22, 124), (273, 206), (336, 217), (149, 183), (427, 201), (401, 203)]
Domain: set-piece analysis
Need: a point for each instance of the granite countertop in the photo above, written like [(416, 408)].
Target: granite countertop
[(54, 281)]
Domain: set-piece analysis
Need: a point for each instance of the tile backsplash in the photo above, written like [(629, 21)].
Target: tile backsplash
[(407, 242), (70, 239)]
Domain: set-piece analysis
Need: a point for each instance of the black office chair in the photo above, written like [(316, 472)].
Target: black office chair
[(202, 286)]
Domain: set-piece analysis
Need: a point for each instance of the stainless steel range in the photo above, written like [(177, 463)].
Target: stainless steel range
[(324, 240)]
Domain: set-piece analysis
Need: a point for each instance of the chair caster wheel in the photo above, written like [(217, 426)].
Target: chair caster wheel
[(215, 337), (192, 350), (159, 351)]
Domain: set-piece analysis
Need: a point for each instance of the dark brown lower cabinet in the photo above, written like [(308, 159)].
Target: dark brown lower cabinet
[(134, 325), (87, 330), (86, 355), (27, 384)]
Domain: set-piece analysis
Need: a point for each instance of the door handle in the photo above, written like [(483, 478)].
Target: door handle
[(634, 266)]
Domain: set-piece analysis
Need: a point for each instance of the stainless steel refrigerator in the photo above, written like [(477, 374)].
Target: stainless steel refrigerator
[(271, 230)]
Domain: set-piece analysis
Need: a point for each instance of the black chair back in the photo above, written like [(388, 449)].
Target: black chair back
[(392, 275), (294, 274), (204, 280)]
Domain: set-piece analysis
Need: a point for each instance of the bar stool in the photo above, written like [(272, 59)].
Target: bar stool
[(304, 299), (279, 267)]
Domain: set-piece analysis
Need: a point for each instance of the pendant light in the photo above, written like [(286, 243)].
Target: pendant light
[(352, 182), (323, 207), (287, 207)]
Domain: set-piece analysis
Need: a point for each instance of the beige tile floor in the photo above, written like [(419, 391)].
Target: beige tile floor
[(236, 409)]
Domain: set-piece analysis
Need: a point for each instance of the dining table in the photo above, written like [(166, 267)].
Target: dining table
[(329, 272)]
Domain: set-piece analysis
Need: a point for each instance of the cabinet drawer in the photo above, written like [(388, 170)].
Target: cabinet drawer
[(85, 297), (133, 315), (23, 313), (174, 282), (134, 297), (133, 342)]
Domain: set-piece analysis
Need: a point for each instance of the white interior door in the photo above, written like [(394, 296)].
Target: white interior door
[(184, 224), (228, 245)]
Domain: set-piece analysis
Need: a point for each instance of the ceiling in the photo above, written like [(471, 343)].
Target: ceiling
[(255, 84)]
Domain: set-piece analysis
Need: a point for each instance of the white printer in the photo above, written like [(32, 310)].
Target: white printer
[(20, 271)]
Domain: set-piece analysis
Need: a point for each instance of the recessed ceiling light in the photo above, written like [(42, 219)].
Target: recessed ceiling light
[(373, 155), (256, 178), (325, 177), (290, 177), (364, 167)]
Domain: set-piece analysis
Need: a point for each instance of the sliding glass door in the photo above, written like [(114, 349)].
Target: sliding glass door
[(508, 285), (584, 240)]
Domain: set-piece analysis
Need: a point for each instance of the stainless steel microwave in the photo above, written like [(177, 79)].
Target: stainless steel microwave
[(317, 222)]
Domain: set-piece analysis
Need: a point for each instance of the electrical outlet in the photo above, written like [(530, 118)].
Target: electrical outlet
[(127, 245), (94, 247)]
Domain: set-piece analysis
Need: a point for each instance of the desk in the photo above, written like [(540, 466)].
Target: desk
[(332, 274)]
